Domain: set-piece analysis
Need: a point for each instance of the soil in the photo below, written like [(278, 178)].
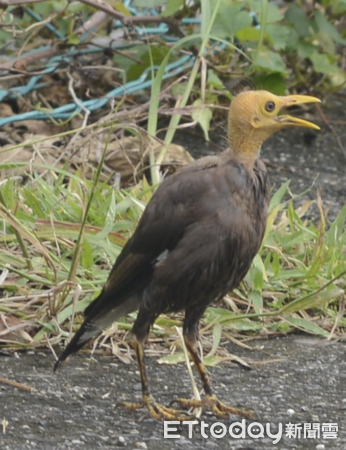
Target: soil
[(76, 408)]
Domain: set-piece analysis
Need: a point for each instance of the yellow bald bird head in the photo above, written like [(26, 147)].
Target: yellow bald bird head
[(254, 116)]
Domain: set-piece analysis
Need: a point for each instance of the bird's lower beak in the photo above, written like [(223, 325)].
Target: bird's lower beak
[(291, 100)]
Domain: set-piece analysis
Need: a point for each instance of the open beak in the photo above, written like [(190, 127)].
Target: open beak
[(291, 100)]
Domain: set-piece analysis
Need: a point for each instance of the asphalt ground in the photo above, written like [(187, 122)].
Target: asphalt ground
[(297, 384)]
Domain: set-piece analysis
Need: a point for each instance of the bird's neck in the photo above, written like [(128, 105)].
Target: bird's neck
[(245, 147)]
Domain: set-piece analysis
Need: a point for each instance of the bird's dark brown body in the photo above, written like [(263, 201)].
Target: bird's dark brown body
[(195, 241)]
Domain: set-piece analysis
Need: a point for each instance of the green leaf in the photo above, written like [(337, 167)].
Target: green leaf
[(111, 212), (46, 8), (205, 16), (214, 80), (150, 58), (172, 7), (255, 277), (306, 325), (119, 6), (125, 63), (335, 231), (296, 15), (73, 39), (321, 23), (203, 116), (269, 60), (272, 82), (87, 257), (34, 203), (217, 331), (179, 89), (338, 7), (243, 325), (214, 360), (325, 42), (292, 40), (255, 296), (172, 359), (8, 191), (311, 301), (305, 49), (292, 274), (273, 13), (322, 63), (279, 35), (248, 34), (229, 20), (213, 312)]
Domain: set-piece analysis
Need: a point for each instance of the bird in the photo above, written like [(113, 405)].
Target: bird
[(194, 243)]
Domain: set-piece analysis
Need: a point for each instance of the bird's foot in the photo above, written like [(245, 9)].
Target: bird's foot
[(156, 410), (217, 407)]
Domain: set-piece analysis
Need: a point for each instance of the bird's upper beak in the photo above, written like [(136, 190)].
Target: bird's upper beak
[(291, 100)]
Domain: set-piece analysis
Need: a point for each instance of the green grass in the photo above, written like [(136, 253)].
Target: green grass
[(297, 282), (61, 233)]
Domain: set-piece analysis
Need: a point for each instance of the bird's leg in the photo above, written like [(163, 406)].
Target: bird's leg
[(218, 408), (211, 401), (156, 410)]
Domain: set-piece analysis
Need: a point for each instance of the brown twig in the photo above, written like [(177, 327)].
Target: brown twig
[(24, 387)]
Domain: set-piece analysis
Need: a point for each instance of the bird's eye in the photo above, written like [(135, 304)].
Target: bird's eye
[(270, 106)]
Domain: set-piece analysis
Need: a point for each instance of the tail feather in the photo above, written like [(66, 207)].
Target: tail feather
[(86, 332), (94, 325)]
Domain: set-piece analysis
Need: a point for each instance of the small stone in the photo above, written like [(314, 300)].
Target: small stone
[(141, 445), (320, 447), (321, 405), (290, 412)]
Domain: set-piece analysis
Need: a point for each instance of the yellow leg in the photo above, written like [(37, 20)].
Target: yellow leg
[(211, 401), (156, 410)]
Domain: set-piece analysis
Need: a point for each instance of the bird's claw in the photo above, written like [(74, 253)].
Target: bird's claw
[(217, 407), (156, 410), (131, 406)]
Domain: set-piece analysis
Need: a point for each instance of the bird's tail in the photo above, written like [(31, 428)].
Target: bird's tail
[(86, 332), (96, 320)]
